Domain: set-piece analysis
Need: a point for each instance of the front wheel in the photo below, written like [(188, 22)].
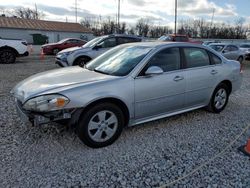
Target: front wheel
[(101, 125), (219, 98), (81, 61), (55, 51)]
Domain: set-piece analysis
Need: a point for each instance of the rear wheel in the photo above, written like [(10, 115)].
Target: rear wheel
[(81, 61), (101, 125), (219, 99), (7, 56)]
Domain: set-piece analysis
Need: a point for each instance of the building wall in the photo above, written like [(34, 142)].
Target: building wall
[(53, 35)]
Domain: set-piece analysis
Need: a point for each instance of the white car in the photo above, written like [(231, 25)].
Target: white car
[(10, 49), (81, 55)]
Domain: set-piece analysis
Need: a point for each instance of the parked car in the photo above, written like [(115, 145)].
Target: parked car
[(10, 49), (129, 85), (245, 47), (206, 43), (177, 38), (54, 48), (230, 51), (92, 49)]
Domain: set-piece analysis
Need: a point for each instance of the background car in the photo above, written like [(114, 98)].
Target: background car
[(10, 49), (81, 55), (128, 85), (230, 51), (177, 38), (206, 43), (245, 47), (54, 48)]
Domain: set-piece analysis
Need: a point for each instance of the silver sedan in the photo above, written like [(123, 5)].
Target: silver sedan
[(230, 51), (129, 85)]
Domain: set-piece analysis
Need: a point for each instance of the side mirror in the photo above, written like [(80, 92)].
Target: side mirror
[(153, 70), (225, 51), (96, 47)]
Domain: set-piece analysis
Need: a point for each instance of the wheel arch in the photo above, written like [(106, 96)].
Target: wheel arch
[(228, 83), (112, 100), (10, 48), (82, 56)]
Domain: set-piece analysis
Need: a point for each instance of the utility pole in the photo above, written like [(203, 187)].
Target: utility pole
[(36, 11), (175, 19), (76, 9), (212, 20), (118, 16)]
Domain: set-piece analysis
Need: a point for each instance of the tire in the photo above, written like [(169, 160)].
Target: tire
[(219, 99), (7, 56), (240, 59), (55, 51), (101, 125), (81, 61)]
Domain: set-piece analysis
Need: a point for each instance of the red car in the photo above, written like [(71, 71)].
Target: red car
[(54, 48)]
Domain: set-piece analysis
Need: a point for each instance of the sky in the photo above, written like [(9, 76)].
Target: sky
[(158, 12)]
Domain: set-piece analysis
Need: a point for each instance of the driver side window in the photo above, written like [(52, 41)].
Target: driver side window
[(108, 43), (167, 59)]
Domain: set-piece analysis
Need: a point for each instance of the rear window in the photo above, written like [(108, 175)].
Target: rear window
[(196, 57)]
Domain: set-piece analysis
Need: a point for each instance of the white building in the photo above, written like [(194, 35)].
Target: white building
[(34, 31)]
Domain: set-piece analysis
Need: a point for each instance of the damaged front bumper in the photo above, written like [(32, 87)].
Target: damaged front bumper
[(39, 118)]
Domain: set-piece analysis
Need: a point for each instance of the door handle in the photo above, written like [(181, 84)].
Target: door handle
[(214, 72), (178, 78)]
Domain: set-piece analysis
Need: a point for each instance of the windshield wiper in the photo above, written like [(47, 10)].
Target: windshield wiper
[(99, 71)]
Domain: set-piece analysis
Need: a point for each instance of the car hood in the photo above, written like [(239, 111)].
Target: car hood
[(55, 79), (74, 49)]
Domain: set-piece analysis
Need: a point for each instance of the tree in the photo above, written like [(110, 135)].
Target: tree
[(28, 13), (142, 27)]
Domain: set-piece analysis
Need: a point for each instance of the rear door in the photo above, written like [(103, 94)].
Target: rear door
[(201, 76)]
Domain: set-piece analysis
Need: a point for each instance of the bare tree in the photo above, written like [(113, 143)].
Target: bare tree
[(142, 27), (28, 13)]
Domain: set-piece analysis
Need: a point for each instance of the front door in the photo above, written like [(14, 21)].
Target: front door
[(104, 46), (163, 93)]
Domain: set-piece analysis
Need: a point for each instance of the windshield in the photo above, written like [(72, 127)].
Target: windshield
[(217, 48), (93, 42), (119, 61), (63, 40)]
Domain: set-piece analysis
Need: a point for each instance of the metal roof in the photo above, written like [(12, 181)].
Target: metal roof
[(31, 24)]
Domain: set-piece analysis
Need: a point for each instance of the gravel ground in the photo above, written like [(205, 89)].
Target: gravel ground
[(150, 155)]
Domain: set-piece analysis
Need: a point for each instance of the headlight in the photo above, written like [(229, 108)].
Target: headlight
[(64, 54), (46, 103)]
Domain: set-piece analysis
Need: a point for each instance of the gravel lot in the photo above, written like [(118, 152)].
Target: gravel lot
[(150, 155)]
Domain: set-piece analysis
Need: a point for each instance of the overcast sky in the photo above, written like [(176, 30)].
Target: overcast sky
[(157, 11)]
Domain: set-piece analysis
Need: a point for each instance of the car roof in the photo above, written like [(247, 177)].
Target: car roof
[(158, 44), (225, 44), (122, 35)]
